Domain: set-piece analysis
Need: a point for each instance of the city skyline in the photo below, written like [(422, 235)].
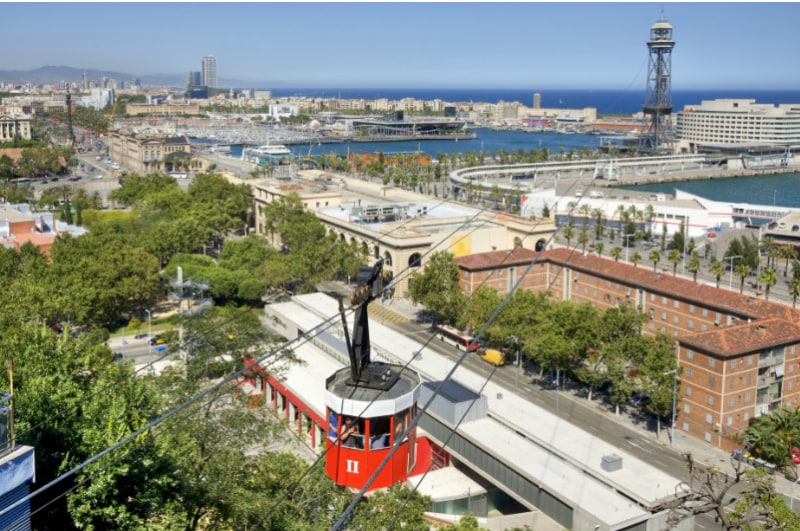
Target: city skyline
[(415, 45)]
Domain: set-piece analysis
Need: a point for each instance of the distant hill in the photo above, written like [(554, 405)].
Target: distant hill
[(53, 74)]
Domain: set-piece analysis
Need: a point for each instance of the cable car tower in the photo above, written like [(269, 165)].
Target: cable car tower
[(370, 404), (657, 106)]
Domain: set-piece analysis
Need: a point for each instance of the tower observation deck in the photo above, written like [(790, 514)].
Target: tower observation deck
[(657, 106)]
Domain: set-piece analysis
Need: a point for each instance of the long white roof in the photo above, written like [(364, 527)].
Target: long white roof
[(561, 457)]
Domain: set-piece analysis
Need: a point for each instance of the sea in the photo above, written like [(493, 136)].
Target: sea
[(606, 101), (779, 190)]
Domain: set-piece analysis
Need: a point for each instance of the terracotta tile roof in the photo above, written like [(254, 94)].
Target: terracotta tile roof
[(495, 259), (672, 286), (732, 341), (13, 153), (763, 324)]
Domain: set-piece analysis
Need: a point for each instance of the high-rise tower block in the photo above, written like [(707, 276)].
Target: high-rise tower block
[(657, 106)]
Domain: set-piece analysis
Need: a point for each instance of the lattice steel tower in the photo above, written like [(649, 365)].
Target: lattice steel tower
[(657, 106)]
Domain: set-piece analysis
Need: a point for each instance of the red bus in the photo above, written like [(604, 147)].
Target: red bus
[(461, 340)]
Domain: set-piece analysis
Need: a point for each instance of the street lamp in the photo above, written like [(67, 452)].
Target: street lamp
[(730, 283), (674, 373), (627, 244), (149, 334), (515, 342)]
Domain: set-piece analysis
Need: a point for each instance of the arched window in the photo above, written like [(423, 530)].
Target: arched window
[(415, 260), (517, 242), (387, 258), (540, 245), (364, 248), (342, 236)]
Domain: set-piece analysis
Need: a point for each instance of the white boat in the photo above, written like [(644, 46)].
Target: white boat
[(219, 148), (266, 153)]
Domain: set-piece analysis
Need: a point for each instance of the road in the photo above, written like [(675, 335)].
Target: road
[(591, 416)]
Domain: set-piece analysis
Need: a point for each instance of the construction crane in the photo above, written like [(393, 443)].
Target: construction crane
[(114, 110)]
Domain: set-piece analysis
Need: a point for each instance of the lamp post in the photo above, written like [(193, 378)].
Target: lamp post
[(731, 258), (627, 244), (515, 342), (149, 334), (674, 373)]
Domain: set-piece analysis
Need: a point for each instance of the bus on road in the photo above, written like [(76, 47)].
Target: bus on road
[(461, 340)]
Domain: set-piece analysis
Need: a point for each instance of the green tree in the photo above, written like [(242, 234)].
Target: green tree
[(436, 287), (568, 233), (583, 239), (599, 246), (675, 257), (655, 257), (712, 491), (769, 278), (616, 253), (742, 271), (635, 258), (716, 268), (794, 290), (693, 266)]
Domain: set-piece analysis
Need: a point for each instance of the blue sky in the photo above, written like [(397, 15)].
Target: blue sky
[(414, 45)]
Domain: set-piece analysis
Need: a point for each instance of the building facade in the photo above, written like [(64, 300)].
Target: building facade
[(403, 228), (738, 122), (209, 71), (738, 354), (14, 127), (144, 153)]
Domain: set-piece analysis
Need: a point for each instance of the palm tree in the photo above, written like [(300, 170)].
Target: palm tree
[(655, 257), (675, 258), (787, 252), (583, 239), (599, 248), (769, 278), (584, 211), (636, 258), (742, 271), (794, 290), (766, 245), (616, 253), (568, 233), (597, 215), (694, 265), (716, 268)]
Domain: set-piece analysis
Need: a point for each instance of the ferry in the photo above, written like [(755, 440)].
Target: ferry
[(219, 148), (266, 153)]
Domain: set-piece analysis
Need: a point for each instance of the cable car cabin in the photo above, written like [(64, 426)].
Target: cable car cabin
[(365, 423), (370, 405)]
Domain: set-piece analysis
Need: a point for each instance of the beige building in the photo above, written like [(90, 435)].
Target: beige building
[(162, 109), (12, 127), (404, 228), (144, 153)]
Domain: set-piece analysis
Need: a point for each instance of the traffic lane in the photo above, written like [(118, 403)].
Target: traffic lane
[(591, 416)]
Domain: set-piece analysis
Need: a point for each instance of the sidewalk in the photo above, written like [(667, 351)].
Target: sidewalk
[(701, 451)]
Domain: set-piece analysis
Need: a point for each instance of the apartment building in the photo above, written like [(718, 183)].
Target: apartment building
[(739, 353)]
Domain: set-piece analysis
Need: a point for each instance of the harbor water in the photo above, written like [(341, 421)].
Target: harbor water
[(779, 190)]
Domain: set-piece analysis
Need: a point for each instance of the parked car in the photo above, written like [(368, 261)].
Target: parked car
[(156, 340), (639, 400)]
